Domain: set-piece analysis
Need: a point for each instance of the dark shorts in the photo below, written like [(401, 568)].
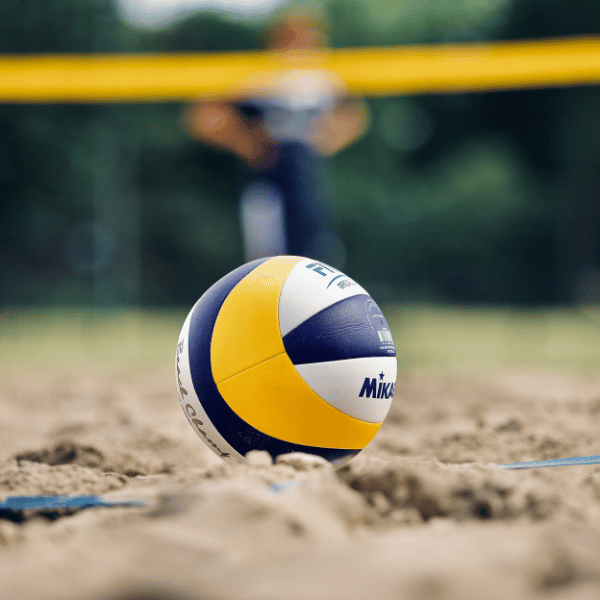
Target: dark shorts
[(298, 176)]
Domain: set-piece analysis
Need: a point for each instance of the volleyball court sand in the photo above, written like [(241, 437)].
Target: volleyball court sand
[(422, 513)]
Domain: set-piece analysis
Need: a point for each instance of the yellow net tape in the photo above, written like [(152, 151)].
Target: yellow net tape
[(364, 71)]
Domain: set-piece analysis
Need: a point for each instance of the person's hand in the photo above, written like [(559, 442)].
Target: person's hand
[(339, 128)]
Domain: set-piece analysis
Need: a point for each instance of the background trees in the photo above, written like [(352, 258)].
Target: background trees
[(449, 198)]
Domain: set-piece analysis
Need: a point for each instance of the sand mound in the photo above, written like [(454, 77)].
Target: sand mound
[(422, 513)]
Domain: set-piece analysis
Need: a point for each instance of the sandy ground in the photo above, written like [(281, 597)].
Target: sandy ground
[(422, 513)]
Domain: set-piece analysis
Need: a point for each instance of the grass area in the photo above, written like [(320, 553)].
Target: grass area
[(488, 338), (64, 338), (425, 336)]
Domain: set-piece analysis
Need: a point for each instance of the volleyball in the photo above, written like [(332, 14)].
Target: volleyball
[(286, 354)]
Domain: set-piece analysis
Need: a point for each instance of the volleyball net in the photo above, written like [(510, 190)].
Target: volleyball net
[(405, 70)]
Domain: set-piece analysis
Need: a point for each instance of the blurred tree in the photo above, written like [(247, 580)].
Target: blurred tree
[(69, 173), (205, 32), (557, 130), (460, 197)]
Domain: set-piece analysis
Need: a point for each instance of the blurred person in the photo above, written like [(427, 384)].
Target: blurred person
[(282, 137)]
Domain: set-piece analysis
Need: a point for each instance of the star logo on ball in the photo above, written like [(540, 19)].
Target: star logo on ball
[(381, 375)]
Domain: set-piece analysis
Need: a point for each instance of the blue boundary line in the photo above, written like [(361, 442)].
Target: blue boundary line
[(556, 462), (17, 503)]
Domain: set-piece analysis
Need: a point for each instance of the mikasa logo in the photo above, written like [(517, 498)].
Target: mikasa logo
[(371, 388)]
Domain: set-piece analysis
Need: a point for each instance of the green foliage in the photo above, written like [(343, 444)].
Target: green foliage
[(465, 198), (387, 22), (205, 33)]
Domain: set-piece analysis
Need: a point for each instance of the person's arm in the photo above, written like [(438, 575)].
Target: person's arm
[(220, 124), (341, 127)]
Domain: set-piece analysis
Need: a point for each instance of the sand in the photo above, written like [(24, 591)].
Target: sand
[(422, 513)]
